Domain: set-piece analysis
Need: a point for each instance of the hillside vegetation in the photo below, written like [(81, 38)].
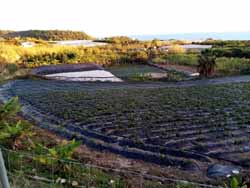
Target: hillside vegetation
[(4, 32), (225, 43), (46, 54), (122, 50), (51, 35), (123, 40)]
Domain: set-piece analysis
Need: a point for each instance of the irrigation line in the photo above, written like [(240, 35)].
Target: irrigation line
[(119, 171)]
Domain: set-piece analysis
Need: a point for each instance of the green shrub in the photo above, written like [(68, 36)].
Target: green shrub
[(237, 182), (50, 156), (176, 49), (10, 128), (56, 156), (231, 66), (11, 67), (10, 131), (226, 43), (237, 52), (9, 109)]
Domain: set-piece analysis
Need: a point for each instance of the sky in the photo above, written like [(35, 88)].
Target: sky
[(127, 17)]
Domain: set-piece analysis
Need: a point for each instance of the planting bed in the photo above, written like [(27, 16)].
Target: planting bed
[(186, 127)]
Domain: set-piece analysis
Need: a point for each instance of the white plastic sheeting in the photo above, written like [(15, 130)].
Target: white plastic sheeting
[(94, 75)]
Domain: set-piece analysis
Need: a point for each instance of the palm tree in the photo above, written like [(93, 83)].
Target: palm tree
[(206, 65)]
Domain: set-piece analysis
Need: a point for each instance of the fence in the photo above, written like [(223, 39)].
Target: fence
[(52, 171), (32, 170)]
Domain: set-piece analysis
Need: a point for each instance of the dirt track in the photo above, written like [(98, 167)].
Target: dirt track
[(60, 85)]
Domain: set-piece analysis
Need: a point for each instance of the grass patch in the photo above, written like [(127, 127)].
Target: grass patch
[(178, 59), (143, 72)]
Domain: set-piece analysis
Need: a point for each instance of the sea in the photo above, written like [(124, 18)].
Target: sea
[(197, 36)]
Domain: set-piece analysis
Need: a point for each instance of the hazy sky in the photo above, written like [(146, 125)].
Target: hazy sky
[(126, 17)]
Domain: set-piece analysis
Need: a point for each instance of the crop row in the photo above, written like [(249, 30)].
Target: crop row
[(210, 120)]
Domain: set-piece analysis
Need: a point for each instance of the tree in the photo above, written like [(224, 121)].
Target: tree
[(206, 65)]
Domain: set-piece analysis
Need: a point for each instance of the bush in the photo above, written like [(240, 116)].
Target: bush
[(53, 155), (176, 49), (9, 109), (9, 70), (9, 53), (230, 66), (237, 182), (240, 52), (11, 67), (139, 56), (122, 40), (10, 128), (50, 54), (226, 43)]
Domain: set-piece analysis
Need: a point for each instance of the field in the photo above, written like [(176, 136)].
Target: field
[(184, 127), (160, 115)]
